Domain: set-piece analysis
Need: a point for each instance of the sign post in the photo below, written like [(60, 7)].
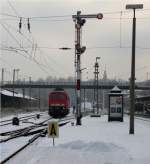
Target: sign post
[(53, 130)]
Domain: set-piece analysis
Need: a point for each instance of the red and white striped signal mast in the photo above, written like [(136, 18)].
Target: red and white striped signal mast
[(79, 22)]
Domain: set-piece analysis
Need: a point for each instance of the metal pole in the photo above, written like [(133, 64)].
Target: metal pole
[(147, 77), (94, 89), (2, 82), (75, 64), (84, 100), (97, 103), (53, 142), (23, 93), (103, 101), (30, 92), (132, 80), (78, 82), (2, 79), (17, 77), (13, 81), (39, 99)]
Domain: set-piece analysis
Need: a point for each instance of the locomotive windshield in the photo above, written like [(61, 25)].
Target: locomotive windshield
[(57, 96)]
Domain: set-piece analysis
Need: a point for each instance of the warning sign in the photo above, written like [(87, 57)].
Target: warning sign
[(53, 131)]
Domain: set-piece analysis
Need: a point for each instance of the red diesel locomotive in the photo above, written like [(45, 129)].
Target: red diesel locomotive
[(59, 103)]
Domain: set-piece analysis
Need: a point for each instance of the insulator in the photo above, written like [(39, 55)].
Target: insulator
[(20, 24), (65, 48), (28, 24)]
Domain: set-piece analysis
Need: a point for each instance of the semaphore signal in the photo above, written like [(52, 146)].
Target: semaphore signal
[(79, 22)]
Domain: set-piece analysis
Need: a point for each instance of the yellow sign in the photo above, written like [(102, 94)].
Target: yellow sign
[(53, 131)]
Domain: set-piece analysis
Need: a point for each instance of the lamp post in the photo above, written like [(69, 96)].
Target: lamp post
[(132, 79), (14, 73), (96, 79), (17, 70), (95, 102)]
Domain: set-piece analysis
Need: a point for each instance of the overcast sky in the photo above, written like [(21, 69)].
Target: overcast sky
[(109, 38)]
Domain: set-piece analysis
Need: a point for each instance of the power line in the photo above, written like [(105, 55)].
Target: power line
[(20, 33), (5, 61), (17, 14), (38, 17), (10, 34), (10, 72), (10, 15), (52, 60), (65, 20), (124, 11), (47, 64), (59, 16), (15, 11), (23, 49), (137, 69), (92, 47), (116, 47), (53, 20), (16, 49), (52, 16)]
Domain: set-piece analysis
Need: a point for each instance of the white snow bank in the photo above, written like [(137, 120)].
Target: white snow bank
[(19, 95), (95, 142)]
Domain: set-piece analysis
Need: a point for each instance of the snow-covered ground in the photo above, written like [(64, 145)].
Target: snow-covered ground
[(7, 148), (97, 141), (24, 123)]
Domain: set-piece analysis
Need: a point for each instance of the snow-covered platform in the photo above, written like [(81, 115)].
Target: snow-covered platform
[(97, 141)]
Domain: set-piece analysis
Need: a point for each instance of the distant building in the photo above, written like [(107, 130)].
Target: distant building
[(16, 100)]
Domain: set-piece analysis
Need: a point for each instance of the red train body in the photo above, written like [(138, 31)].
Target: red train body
[(59, 103)]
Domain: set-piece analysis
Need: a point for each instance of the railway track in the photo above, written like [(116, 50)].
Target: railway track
[(41, 133), (27, 130), (9, 121), (143, 118), (21, 132)]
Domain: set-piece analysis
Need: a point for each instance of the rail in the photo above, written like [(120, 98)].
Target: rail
[(41, 133)]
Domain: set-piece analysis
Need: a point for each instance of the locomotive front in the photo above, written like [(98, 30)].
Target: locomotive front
[(58, 104)]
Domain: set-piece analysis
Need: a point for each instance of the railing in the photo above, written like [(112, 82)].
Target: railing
[(64, 83), (72, 85)]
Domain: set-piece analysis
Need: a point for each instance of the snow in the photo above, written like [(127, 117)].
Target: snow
[(20, 95), (7, 148), (7, 117), (116, 89), (22, 124), (87, 106), (97, 141)]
